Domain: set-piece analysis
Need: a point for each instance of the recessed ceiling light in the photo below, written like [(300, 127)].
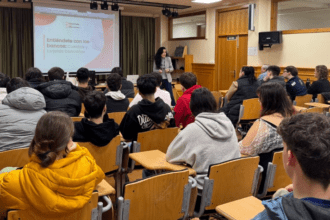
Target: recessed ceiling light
[(206, 1)]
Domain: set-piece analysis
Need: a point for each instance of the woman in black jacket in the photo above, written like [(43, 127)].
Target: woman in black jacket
[(322, 84)]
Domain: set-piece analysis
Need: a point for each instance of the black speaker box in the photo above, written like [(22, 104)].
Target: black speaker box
[(273, 37)]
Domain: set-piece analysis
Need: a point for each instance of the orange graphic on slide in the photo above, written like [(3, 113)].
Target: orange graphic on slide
[(104, 59), (44, 19)]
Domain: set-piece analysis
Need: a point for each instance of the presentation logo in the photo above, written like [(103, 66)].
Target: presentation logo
[(71, 25)]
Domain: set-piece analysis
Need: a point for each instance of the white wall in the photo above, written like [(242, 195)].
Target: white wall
[(301, 50), (184, 30)]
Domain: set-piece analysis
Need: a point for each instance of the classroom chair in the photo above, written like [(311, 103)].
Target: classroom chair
[(276, 177), (229, 181), (249, 112), (177, 92), (82, 111), (112, 159), (14, 158), (218, 98), (91, 211), (130, 100), (320, 99), (164, 196), (312, 110), (76, 119), (301, 100), (158, 139), (117, 116)]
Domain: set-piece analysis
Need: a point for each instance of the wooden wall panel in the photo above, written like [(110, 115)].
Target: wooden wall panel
[(17, 4), (205, 75), (303, 73), (237, 22)]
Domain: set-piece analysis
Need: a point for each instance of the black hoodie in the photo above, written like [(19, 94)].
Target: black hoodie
[(61, 95), (98, 134), (146, 116)]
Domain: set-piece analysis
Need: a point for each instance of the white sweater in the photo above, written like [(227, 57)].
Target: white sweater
[(211, 139)]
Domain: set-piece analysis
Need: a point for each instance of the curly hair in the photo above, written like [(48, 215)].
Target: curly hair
[(308, 137), (323, 72), (52, 134)]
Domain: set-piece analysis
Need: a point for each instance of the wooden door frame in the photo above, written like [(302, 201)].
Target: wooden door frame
[(216, 81)]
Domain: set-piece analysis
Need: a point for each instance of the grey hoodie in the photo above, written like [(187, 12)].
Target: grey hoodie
[(19, 113), (211, 139)]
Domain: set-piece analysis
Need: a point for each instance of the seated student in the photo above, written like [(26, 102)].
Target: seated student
[(83, 78), (4, 79), (294, 86), (34, 76), (127, 87), (322, 84), (116, 100), (183, 115), (263, 72), (163, 94), (244, 88), (97, 128), (60, 95), (306, 160), (211, 139), (262, 139), (148, 114), (19, 113), (273, 73), (60, 177)]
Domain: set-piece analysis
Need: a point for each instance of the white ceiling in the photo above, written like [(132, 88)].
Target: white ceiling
[(158, 11), (294, 6)]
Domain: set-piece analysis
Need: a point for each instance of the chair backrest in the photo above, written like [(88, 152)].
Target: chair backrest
[(312, 110), (233, 180), (82, 112), (280, 178), (157, 197), (130, 100), (76, 119), (301, 100), (117, 116), (177, 91), (105, 157), (217, 95), (250, 110), (14, 158), (321, 99), (158, 139), (83, 214)]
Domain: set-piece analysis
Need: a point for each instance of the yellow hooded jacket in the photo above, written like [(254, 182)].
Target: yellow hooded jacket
[(63, 187)]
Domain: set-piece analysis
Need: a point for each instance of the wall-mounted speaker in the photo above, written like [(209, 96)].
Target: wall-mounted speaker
[(269, 38), (251, 17)]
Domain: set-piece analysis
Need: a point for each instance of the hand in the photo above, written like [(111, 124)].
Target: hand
[(160, 71), (167, 70)]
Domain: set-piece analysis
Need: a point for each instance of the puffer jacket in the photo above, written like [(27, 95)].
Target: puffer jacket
[(61, 96), (63, 187), (19, 114)]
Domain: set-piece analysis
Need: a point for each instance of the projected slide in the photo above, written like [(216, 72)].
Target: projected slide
[(72, 39)]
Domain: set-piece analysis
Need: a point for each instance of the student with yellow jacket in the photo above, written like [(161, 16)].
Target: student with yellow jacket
[(60, 177)]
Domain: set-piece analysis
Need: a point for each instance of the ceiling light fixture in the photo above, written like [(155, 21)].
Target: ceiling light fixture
[(115, 7), (93, 5), (206, 1), (167, 12), (104, 6), (175, 14)]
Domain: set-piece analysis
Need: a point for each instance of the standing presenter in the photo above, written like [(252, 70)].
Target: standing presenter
[(163, 65)]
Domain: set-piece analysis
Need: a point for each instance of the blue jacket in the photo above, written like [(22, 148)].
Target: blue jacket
[(287, 208), (295, 87)]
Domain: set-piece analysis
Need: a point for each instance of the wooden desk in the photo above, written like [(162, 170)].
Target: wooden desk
[(104, 188), (156, 160), (242, 209), (319, 105), (298, 108), (223, 92)]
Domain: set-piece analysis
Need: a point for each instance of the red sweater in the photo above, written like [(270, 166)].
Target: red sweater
[(182, 110)]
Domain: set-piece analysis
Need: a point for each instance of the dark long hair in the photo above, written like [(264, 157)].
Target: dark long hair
[(274, 99), (249, 72), (158, 56)]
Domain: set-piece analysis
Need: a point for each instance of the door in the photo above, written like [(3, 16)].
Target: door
[(232, 45)]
